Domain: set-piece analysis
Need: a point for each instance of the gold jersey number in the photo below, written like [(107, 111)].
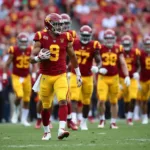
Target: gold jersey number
[(82, 56), (109, 59), (23, 62), (54, 50), (147, 63)]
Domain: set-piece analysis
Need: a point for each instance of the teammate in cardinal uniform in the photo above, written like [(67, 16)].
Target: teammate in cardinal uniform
[(145, 77), (51, 47), (85, 49), (67, 25), (19, 56), (130, 93), (108, 78)]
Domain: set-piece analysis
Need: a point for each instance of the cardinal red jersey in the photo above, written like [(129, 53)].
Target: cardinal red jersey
[(110, 58), (145, 66), (85, 55), (21, 62), (131, 58), (56, 64)]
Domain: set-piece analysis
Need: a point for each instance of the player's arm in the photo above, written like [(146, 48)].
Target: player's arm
[(72, 55), (8, 62), (36, 49), (123, 65), (74, 62), (97, 58), (124, 69)]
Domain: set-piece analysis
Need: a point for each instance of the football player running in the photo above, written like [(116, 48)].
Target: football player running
[(51, 47), (108, 78), (19, 56), (133, 63), (145, 77), (67, 28), (85, 49)]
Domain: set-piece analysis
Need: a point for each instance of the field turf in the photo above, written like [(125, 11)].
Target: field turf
[(18, 137)]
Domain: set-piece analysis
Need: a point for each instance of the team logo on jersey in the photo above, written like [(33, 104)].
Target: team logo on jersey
[(45, 37), (61, 40)]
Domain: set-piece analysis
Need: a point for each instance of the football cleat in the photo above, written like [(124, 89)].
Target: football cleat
[(83, 125), (130, 122), (72, 125), (145, 121), (46, 136), (91, 119), (26, 123), (113, 126), (101, 124), (62, 134), (38, 124)]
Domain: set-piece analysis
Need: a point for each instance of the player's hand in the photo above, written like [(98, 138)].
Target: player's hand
[(94, 69), (4, 79), (127, 80), (103, 71), (44, 54), (79, 81), (136, 76)]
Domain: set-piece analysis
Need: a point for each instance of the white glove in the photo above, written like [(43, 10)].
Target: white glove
[(127, 80), (103, 71), (44, 55), (94, 69), (79, 81), (136, 76), (4, 76)]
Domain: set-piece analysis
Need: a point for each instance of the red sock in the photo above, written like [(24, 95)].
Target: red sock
[(62, 112), (69, 108), (45, 117), (80, 104)]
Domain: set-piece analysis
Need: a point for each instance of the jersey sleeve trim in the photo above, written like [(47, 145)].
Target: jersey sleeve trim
[(11, 50), (39, 34)]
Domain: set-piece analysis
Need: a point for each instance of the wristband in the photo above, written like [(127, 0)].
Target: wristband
[(77, 70), (4, 76), (36, 58)]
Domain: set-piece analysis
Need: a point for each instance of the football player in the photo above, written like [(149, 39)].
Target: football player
[(67, 25), (145, 77), (19, 56), (66, 28), (51, 47), (108, 78), (130, 93), (85, 49)]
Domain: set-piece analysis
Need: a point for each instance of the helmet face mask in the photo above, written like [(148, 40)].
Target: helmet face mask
[(22, 41), (66, 22), (146, 42), (85, 34), (127, 42), (53, 22), (85, 38), (109, 38)]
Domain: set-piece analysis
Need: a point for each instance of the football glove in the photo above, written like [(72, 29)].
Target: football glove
[(94, 69), (103, 71), (136, 76), (127, 80)]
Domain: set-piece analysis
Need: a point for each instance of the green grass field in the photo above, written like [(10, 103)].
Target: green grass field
[(18, 137)]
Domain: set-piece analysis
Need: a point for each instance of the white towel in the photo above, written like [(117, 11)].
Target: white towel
[(36, 86)]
